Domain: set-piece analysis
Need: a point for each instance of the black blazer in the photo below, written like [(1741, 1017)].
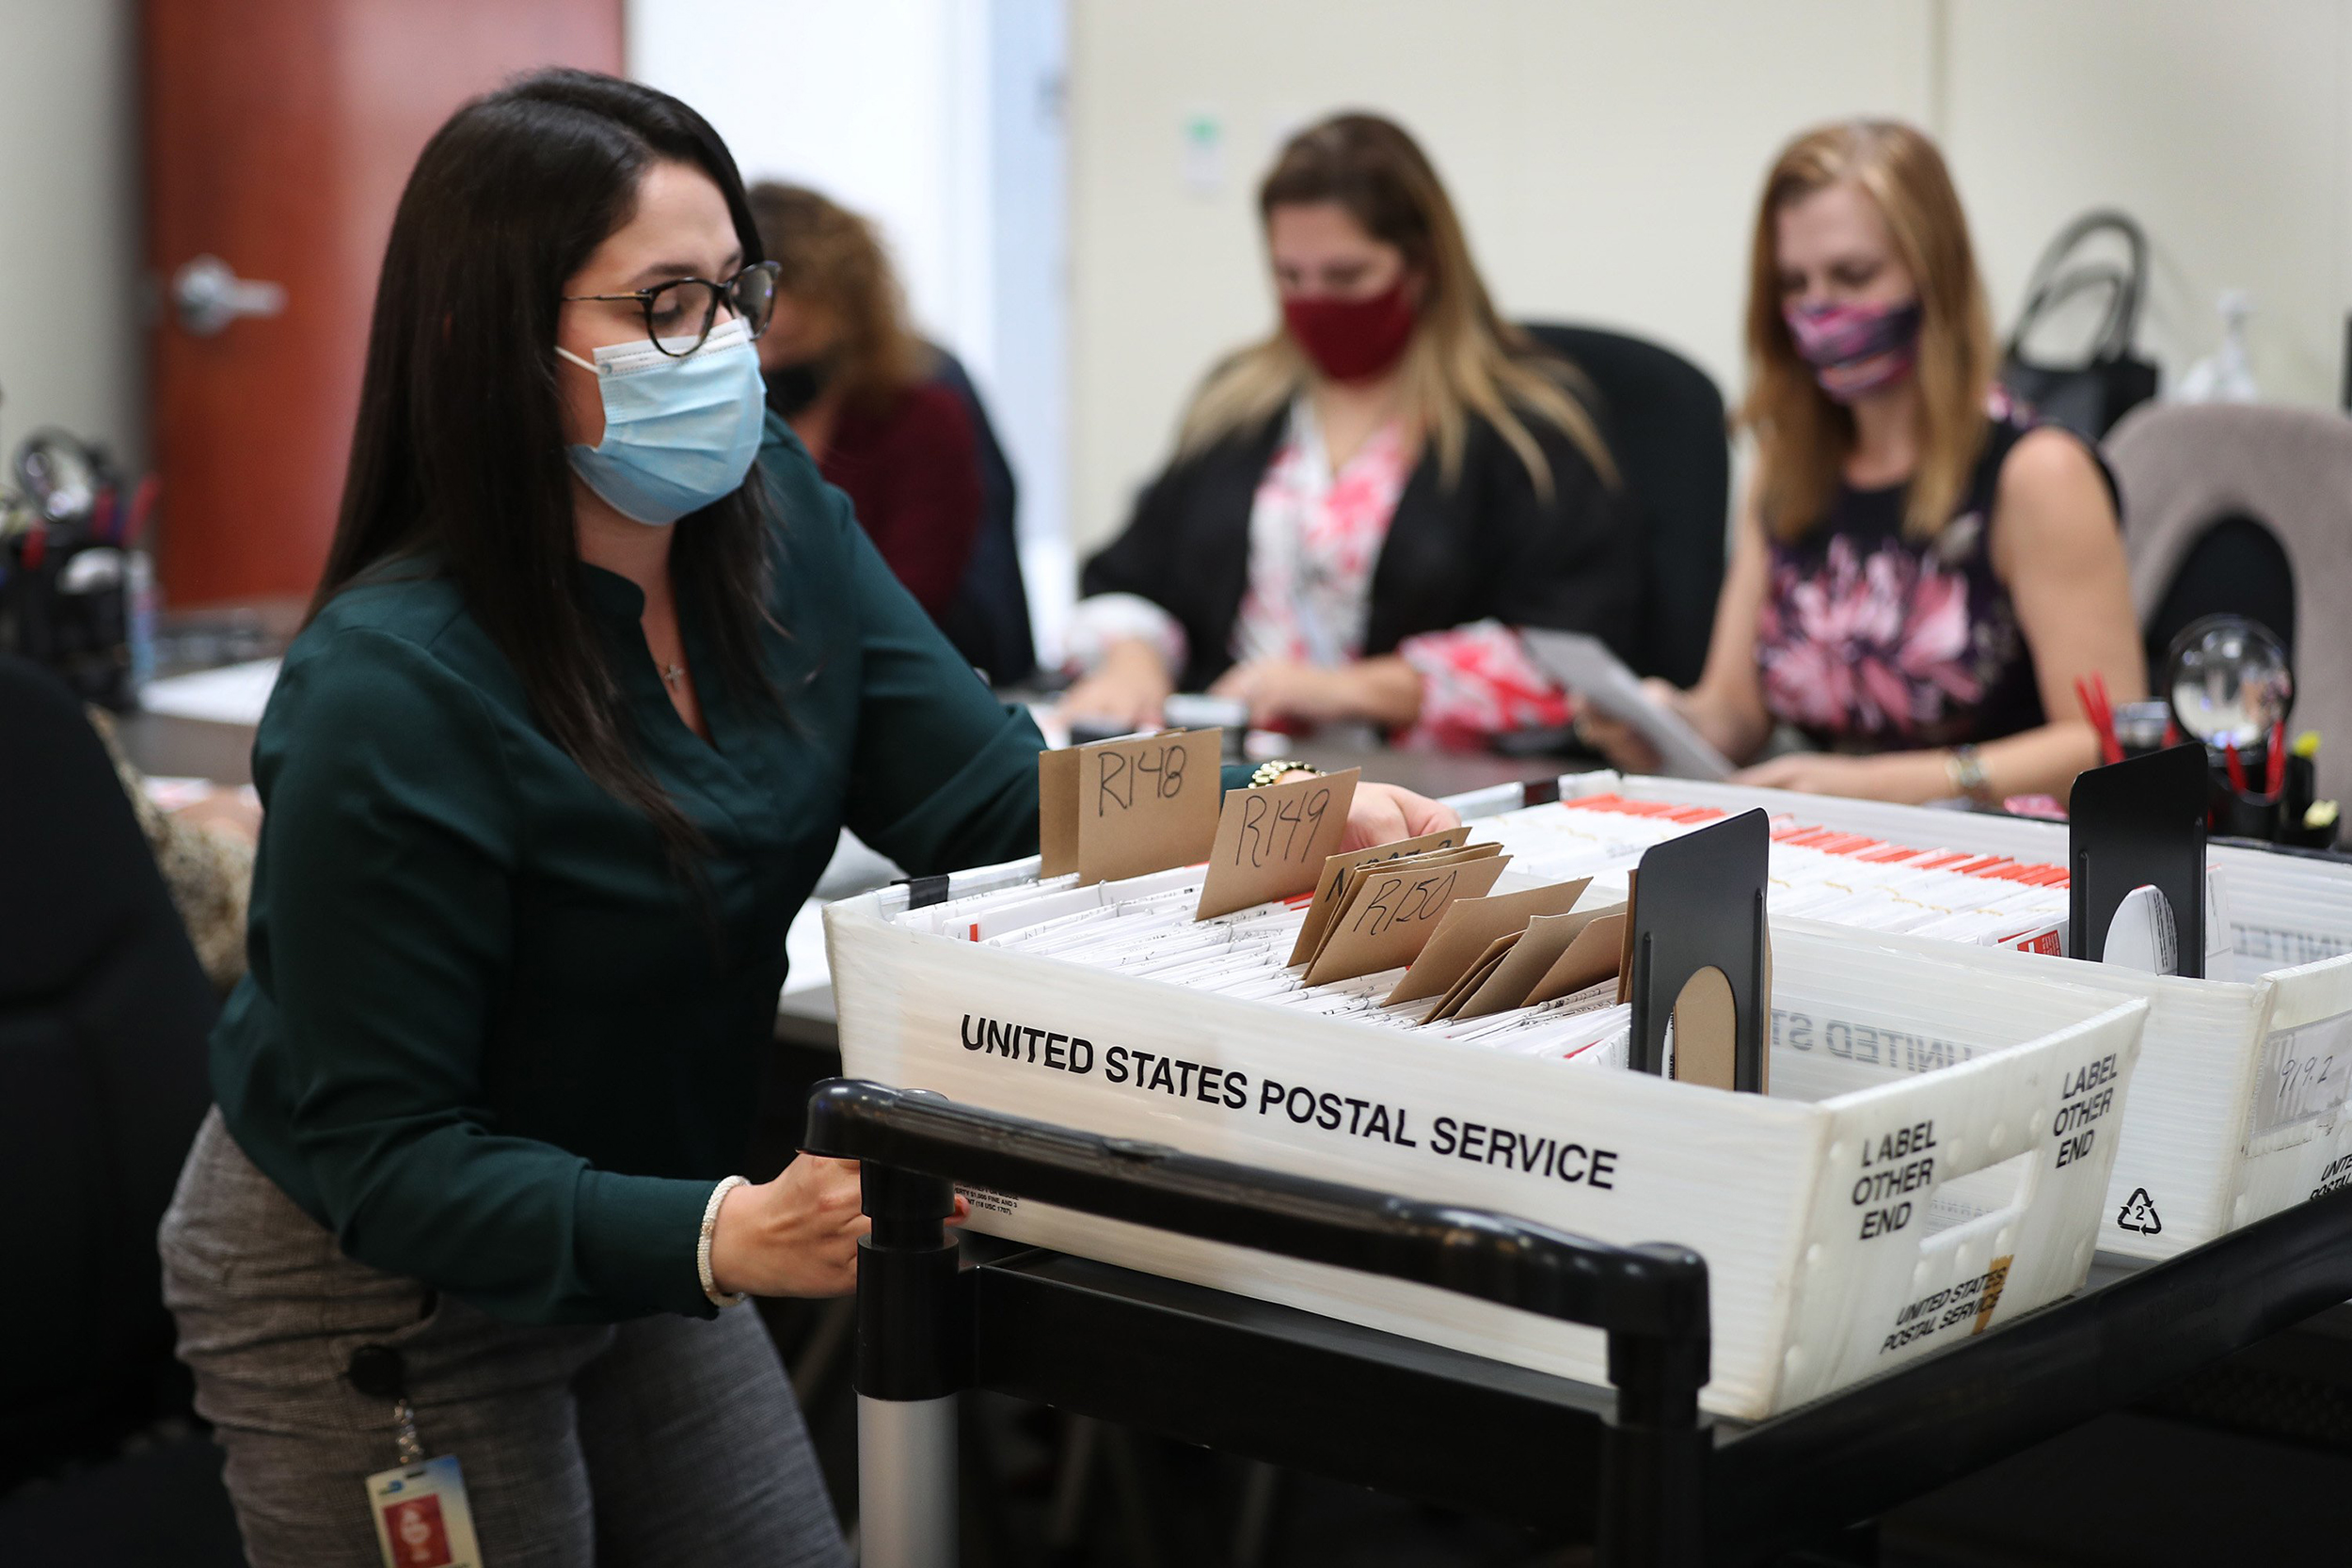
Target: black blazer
[(1488, 545)]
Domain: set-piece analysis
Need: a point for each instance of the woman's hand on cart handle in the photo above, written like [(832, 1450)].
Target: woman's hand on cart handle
[(797, 1235)]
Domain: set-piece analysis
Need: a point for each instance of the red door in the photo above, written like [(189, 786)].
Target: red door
[(279, 134)]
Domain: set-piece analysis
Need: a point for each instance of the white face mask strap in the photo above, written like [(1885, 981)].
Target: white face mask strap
[(628, 355)]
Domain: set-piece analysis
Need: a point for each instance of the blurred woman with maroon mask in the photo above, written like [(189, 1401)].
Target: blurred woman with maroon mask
[(1365, 504)]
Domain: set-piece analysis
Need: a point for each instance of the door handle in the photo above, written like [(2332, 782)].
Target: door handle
[(209, 295)]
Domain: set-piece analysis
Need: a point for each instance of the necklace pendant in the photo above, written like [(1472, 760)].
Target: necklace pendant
[(672, 674)]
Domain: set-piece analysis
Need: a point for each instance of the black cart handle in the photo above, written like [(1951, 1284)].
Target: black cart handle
[(1650, 1291)]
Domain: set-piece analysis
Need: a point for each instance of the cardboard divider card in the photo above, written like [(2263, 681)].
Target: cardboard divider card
[(1056, 813), (1272, 842), (1594, 955), (1122, 808), (1706, 1036), (1428, 859), (1335, 869), (1625, 948), (1463, 936), (1547, 937), (1393, 909), (1450, 1004)]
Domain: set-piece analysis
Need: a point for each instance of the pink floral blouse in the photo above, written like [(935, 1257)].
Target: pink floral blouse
[(1315, 536)]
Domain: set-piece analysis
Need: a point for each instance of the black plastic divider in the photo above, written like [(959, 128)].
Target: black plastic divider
[(923, 892), (2139, 823), (1698, 904)]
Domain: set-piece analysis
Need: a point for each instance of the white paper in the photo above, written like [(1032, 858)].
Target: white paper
[(1585, 666), (233, 694)]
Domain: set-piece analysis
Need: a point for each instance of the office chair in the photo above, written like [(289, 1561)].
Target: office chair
[(1665, 419), (104, 1013), (987, 620), (2247, 508)]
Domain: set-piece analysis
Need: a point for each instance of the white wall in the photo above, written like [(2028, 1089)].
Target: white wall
[(1606, 157), (868, 101), (71, 343), (942, 121), (2223, 129)]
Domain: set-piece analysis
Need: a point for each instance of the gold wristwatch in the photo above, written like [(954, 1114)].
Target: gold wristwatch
[(1966, 771), (1271, 772)]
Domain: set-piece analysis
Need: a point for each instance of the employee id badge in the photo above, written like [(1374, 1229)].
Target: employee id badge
[(421, 1517)]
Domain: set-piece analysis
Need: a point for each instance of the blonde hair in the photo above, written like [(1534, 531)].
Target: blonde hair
[(1463, 359), (1804, 435), (834, 259)]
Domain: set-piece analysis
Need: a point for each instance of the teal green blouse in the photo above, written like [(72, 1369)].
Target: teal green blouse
[(488, 1038)]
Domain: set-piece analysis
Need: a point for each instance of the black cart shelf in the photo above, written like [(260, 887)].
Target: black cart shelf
[(1635, 1468)]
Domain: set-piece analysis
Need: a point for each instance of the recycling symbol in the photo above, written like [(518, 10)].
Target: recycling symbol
[(2139, 1213)]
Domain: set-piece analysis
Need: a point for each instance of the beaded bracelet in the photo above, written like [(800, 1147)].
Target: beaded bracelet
[(702, 1248)]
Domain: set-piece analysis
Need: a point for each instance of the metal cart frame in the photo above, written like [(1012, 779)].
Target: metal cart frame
[(1635, 1468)]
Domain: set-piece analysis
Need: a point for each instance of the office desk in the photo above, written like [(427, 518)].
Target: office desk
[(169, 747)]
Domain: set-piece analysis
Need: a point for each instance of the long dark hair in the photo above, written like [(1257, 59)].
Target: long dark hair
[(460, 449)]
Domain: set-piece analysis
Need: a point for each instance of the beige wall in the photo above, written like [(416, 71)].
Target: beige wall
[(71, 345), (2222, 128), (1605, 157)]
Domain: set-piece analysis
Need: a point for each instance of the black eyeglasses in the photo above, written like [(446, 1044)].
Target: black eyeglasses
[(686, 307)]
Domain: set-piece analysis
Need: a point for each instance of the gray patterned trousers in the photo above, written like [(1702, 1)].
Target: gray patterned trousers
[(660, 1441)]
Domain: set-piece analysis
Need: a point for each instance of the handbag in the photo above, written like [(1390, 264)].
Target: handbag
[(2090, 397)]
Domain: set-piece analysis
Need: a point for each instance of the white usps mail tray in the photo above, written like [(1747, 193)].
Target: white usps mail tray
[(1859, 1216), (2238, 1108)]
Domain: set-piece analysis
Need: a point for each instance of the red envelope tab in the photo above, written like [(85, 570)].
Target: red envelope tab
[(1271, 843), (1122, 808)]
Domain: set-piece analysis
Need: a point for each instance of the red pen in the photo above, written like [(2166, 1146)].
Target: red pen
[(2094, 695), (2275, 764), (2237, 768)]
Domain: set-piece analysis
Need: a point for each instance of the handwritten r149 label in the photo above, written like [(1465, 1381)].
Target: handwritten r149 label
[(1271, 843)]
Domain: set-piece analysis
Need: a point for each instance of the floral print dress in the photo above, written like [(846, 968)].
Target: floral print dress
[(1869, 641)]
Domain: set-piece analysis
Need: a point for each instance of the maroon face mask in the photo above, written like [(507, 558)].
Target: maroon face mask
[(1350, 339)]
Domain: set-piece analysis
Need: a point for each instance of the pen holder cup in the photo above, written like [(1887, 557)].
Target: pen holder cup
[(2241, 814)]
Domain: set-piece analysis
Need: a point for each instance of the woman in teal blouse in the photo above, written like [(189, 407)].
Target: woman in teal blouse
[(599, 669)]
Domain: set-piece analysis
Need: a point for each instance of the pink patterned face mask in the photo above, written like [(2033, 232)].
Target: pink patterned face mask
[(1855, 349)]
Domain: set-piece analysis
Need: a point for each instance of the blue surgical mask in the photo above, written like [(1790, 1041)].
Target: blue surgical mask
[(678, 433)]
